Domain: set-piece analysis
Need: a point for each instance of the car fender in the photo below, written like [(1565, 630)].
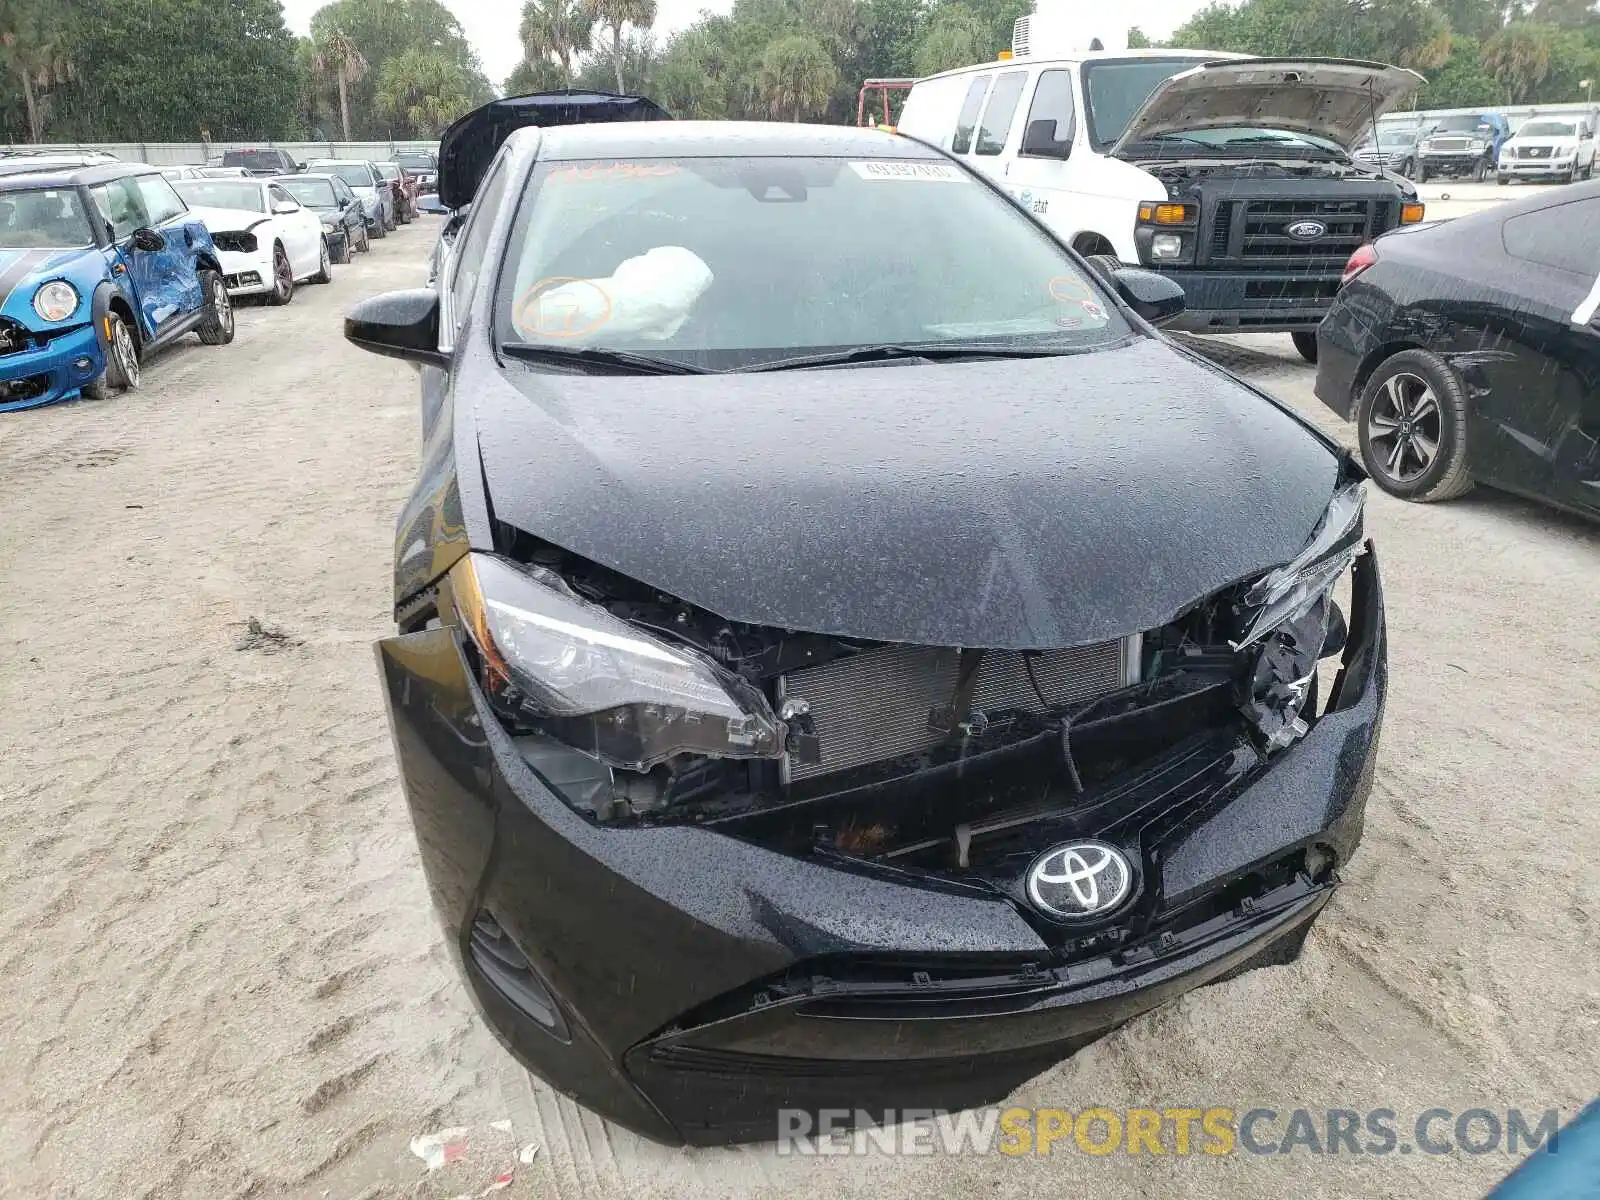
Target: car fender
[(100, 309)]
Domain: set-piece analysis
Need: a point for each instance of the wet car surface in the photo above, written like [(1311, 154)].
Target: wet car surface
[(762, 756)]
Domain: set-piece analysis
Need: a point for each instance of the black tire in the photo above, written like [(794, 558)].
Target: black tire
[(1480, 171), (1413, 399), (389, 223), (1305, 341), (364, 246), (282, 277), (1588, 172), (325, 269), (1502, 179), (1572, 172), (342, 257), (1106, 264), (1422, 172), (217, 328), (378, 232)]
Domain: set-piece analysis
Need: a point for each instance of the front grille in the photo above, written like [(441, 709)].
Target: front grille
[(876, 705), (1450, 144), (1265, 235), (13, 336), (1535, 152), (1291, 289), (1222, 231), (31, 387), (235, 243)]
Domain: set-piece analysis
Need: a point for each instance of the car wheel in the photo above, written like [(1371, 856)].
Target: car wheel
[(1305, 341), (1107, 264), (324, 268), (1422, 172), (379, 232), (217, 328), (1572, 172), (1412, 423), (389, 223), (282, 277), (342, 255), (1408, 169), (1480, 171)]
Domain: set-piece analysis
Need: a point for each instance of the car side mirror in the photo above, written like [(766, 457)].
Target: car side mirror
[(431, 203), (148, 239), (1040, 141), (1153, 296), (403, 325)]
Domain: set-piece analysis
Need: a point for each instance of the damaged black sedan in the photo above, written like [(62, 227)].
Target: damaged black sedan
[(847, 658)]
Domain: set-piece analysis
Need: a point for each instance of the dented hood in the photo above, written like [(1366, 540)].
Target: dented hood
[(1332, 98), (1015, 504)]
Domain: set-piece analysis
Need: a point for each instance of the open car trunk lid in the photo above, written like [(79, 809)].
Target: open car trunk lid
[(469, 145), (1337, 99)]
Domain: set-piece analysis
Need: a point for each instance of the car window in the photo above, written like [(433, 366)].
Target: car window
[(44, 219), (468, 265), (279, 196), (968, 119), (121, 203), (342, 189), (730, 261), (241, 194), (1052, 101), (1001, 109), (318, 193), (1566, 236), (161, 202)]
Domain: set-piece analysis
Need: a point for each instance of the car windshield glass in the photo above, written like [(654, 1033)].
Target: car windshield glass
[(1117, 89), (355, 174), (416, 162), (1252, 136), (217, 193), (253, 160), (387, 170), (729, 262), (1396, 137), (1459, 125), (318, 193), (1548, 129), (44, 218)]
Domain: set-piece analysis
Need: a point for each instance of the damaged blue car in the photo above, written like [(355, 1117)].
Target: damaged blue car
[(100, 267)]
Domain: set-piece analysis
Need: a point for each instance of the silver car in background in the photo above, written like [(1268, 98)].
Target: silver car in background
[(371, 188)]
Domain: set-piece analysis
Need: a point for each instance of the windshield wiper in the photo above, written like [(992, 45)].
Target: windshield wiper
[(591, 356), (936, 352)]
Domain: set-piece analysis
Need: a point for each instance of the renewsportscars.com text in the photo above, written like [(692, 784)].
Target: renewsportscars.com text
[(1179, 1131)]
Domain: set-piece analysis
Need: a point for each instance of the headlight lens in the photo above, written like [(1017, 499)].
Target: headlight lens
[(1166, 246), (1283, 594), (554, 661), (56, 300)]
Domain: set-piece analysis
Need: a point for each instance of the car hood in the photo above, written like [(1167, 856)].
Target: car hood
[(22, 271), (468, 146), (228, 220), (1555, 143), (1014, 504), (1332, 98)]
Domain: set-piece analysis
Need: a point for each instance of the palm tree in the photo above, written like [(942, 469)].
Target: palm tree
[(34, 54), (614, 14), (338, 56), (1519, 59), (555, 29), (796, 76), (424, 90)]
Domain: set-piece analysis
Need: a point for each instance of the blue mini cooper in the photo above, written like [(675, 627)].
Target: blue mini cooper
[(100, 267)]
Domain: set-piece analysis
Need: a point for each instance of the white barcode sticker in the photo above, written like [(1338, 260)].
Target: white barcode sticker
[(937, 172)]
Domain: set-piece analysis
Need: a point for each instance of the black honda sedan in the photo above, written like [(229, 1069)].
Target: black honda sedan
[(1469, 351), (847, 658)]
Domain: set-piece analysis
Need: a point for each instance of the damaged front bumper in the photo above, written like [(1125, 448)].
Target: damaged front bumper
[(690, 981)]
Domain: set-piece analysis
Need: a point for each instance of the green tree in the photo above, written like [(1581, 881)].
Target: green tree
[(1137, 39), (1477, 19), (1519, 59), (1462, 82), (340, 60), (556, 31), (534, 75), (796, 76), (424, 90), (33, 49), (615, 15), (955, 37), (1409, 33)]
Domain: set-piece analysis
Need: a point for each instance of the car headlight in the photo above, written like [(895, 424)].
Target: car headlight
[(1283, 594), (1166, 246), (554, 662), (56, 300)]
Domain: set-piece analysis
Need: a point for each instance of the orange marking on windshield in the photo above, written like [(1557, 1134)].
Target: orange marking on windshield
[(561, 320), (585, 172)]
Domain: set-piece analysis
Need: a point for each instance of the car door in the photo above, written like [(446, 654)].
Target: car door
[(302, 230), (169, 216), (152, 276), (1538, 425), (349, 209)]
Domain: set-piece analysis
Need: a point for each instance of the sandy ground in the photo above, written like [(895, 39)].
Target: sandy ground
[(222, 976)]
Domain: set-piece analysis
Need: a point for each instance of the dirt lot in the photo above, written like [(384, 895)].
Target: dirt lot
[(223, 978)]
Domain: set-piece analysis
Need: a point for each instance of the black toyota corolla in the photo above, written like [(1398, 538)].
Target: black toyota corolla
[(847, 658)]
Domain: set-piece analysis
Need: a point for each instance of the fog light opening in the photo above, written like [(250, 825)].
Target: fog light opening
[(508, 970)]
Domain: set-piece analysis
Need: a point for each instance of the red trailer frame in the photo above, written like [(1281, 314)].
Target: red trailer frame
[(884, 87)]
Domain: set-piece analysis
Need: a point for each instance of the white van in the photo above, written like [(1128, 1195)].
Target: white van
[(1230, 174)]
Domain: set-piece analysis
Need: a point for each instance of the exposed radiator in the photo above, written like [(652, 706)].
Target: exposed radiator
[(875, 705)]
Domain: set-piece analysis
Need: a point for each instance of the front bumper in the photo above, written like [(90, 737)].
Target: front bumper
[(1456, 162), (52, 372), (1256, 301), (247, 274), (1536, 168), (689, 985)]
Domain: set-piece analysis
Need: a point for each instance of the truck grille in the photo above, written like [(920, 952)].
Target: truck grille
[(1267, 223), (1534, 152), (876, 705), (1450, 145)]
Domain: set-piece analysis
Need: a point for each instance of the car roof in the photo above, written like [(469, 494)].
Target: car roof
[(708, 139), (1083, 57), (68, 176)]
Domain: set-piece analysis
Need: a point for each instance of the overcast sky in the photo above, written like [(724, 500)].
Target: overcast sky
[(491, 25)]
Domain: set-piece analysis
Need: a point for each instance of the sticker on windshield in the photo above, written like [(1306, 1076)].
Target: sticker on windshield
[(934, 171)]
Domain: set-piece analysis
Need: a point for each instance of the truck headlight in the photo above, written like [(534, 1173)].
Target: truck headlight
[(56, 300), (1166, 246), (553, 662)]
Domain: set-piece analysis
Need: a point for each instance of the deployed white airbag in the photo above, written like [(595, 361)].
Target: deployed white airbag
[(649, 297)]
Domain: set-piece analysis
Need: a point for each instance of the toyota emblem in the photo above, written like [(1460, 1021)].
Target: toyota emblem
[(1307, 231), (1079, 880)]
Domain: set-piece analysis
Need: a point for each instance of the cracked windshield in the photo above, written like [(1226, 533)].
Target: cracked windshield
[(898, 598)]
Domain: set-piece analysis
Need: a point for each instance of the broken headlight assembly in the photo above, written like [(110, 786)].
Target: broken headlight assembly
[(1287, 616), (554, 663)]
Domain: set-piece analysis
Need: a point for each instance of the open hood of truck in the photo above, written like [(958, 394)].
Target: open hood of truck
[(469, 146), (1331, 98)]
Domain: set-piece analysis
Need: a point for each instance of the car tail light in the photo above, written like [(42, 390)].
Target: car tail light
[(1364, 257)]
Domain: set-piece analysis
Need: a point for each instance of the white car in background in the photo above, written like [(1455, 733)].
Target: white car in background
[(268, 241), (1549, 148)]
